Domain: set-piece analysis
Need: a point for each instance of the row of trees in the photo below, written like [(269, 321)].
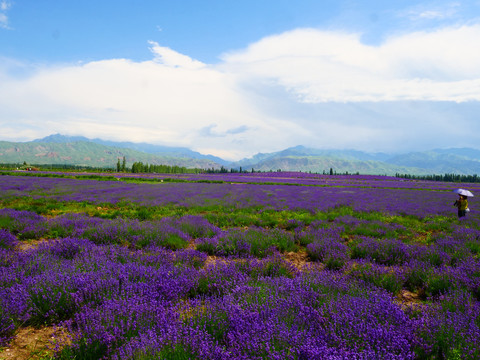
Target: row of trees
[(445, 178), (224, 170), (139, 167)]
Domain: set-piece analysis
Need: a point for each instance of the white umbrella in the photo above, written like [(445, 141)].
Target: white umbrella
[(463, 192)]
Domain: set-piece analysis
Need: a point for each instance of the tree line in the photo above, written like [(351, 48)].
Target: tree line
[(445, 178), (139, 167)]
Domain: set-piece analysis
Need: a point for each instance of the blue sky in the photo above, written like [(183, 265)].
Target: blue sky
[(234, 78)]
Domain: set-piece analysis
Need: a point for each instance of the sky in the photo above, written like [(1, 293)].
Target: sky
[(235, 78)]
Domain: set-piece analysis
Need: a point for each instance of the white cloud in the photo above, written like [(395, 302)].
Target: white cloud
[(431, 14), (321, 66), (3, 21), (4, 6), (311, 87), (168, 102), (438, 12), (169, 57)]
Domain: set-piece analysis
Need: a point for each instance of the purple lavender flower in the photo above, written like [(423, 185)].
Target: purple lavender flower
[(450, 328), (384, 251), (24, 224), (7, 240)]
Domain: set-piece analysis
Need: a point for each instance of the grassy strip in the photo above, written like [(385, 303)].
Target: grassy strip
[(224, 217), (139, 180)]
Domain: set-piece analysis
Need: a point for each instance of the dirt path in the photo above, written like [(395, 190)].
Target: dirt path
[(31, 343)]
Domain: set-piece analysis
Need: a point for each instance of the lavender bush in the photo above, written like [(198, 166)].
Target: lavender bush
[(7, 239), (230, 271), (254, 241)]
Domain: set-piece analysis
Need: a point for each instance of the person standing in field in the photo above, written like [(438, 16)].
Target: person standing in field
[(462, 205)]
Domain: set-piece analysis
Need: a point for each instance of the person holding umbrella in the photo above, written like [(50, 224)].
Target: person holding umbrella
[(462, 202)]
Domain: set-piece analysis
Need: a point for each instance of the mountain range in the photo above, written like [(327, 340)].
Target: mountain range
[(78, 150)]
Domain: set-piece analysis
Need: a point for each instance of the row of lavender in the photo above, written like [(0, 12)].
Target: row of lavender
[(444, 262), (236, 196), (161, 303), (129, 289), (296, 178)]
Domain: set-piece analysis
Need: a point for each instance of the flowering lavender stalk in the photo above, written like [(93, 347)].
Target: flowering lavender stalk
[(7, 240)]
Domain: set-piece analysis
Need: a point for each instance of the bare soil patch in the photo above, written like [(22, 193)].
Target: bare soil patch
[(31, 343), (25, 245), (212, 260), (300, 260), (408, 299)]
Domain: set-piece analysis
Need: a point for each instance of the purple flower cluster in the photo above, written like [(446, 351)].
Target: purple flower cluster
[(384, 251), (325, 245), (254, 241), (450, 328), (131, 289), (368, 197), (193, 226), (169, 232), (116, 302), (24, 224), (7, 239)]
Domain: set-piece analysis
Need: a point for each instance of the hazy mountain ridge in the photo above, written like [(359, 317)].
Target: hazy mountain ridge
[(85, 153), (463, 161), (458, 161), (302, 151), (181, 152), (321, 164), (79, 150)]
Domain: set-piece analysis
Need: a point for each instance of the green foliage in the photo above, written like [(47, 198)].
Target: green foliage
[(173, 242), (50, 304), (436, 285), (443, 178), (334, 262), (416, 279), (227, 218), (473, 246), (332, 214), (42, 206), (6, 222), (175, 352), (207, 247), (145, 213), (86, 350), (387, 280), (215, 321), (140, 167)]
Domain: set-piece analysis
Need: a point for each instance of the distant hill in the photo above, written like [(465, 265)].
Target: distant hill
[(79, 150), (304, 152), (176, 152), (440, 161), (85, 153), (339, 162)]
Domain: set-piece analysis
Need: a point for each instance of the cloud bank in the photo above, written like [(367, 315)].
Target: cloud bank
[(323, 67), (306, 86)]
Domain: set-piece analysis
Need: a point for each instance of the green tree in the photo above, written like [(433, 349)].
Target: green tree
[(124, 164)]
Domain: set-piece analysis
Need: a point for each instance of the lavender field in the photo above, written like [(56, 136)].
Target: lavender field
[(239, 266)]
